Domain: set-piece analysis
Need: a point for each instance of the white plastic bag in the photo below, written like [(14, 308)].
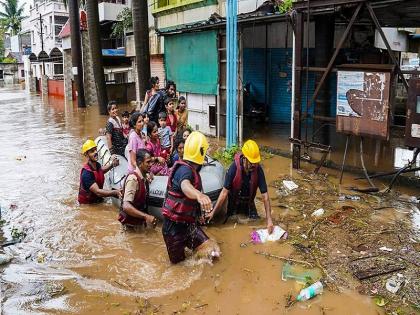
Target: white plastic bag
[(262, 236)]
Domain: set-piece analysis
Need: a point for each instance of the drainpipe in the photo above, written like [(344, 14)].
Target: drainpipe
[(231, 72), (292, 125)]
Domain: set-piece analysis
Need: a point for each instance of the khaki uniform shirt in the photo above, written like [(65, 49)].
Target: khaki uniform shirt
[(131, 187)]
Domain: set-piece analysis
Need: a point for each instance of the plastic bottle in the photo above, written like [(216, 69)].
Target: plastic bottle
[(310, 292)]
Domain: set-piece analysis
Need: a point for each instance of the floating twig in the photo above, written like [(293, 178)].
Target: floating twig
[(268, 255), (200, 306)]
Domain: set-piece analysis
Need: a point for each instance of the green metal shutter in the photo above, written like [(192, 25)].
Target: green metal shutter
[(191, 62)]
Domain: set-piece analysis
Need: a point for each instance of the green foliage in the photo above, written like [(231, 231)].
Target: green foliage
[(285, 6), (8, 60), (17, 233), (225, 156), (124, 22), (11, 16)]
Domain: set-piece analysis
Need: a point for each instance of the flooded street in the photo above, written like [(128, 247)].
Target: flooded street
[(78, 260)]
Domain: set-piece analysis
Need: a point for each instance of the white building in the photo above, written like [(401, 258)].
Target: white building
[(44, 23)]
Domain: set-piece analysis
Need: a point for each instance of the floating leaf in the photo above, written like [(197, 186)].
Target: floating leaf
[(380, 301)]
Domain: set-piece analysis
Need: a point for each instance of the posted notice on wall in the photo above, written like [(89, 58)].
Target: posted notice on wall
[(347, 80), (415, 131)]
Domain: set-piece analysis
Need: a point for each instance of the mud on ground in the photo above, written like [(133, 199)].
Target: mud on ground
[(358, 244)]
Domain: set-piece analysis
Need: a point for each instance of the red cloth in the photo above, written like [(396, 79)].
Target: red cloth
[(172, 124)]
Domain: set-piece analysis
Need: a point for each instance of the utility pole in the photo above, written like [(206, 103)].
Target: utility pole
[(231, 72), (42, 43), (76, 51)]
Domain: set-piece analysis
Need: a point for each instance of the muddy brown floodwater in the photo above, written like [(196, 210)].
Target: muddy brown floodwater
[(78, 260)]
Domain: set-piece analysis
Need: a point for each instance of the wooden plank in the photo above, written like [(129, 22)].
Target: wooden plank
[(374, 266)]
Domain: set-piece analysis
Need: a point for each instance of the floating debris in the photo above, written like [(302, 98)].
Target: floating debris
[(299, 274), (290, 185), (318, 213), (262, 235), (365, 268), (5, 259), (385, 249), (394, 283), (311, 291)]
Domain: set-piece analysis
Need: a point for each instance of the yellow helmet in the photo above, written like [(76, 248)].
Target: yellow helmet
[(88, 145), (195, 148), (251, 151)]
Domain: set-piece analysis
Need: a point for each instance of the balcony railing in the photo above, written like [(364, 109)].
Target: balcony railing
[(163, 5)]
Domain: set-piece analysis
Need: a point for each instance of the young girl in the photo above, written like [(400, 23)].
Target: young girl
[(146, 120), (178, 152), (171, 120), (114, 131), (135, 141), (185, 134), (125, 124), (182, 114), (159, 166)]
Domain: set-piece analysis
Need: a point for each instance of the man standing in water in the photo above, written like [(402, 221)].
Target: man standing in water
[(133, 211), (243, 178), (185, 200), (92, 177)]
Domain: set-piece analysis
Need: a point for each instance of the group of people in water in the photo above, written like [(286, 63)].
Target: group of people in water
[(156, 140)]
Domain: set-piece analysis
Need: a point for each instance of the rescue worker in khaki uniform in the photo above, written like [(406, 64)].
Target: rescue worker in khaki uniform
[(185, 200), (92, 177), (243, 178), (133, 210)]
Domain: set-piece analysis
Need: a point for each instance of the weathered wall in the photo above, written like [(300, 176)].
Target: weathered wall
[(68, 76), (44, 85)]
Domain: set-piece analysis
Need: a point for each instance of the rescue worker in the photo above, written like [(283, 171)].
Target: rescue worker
[(185, 200), (133, 211), (243, 178), (92, 177)]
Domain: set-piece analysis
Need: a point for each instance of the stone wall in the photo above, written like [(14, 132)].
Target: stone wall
[(88, 78)]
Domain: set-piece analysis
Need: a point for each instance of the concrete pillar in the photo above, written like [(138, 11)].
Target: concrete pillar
[(68, 76), (31, 83), (324, 45), (44, 85), (89, 81), (139, 99)]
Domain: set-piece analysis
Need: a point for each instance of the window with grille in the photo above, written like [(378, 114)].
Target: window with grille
[(58, 68)]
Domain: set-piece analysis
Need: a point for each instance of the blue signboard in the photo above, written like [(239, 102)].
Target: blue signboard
[(120, 52)]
